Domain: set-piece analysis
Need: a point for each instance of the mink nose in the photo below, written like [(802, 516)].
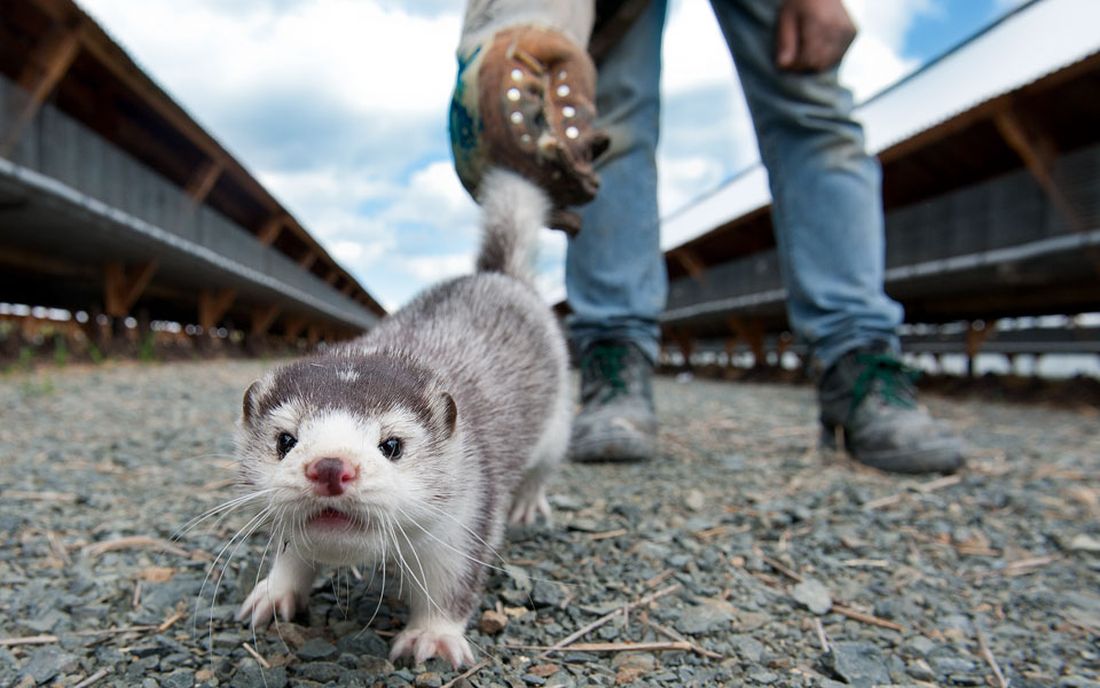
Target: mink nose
[(329, 476)]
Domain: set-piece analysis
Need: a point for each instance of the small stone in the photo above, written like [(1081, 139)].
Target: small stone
[(710, 615), (429, 679), (750, 621), (857, 663), (322, 672), (566, 502), (562, 679), (748, 648), (316, 648), (813, 595), (492, 622), (45, 623), (544, 670), (1085, 543), (920, 645), (586, 525), (763, 677), (637, 660), (951, 664), (363, 643), (45, 663), (695, 500), (375, 666), (181, 678), (547, 594), (628, 675), (250, 675), (920, 670), (519, 577), (532, 680)]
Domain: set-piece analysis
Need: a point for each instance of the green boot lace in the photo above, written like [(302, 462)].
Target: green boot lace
[(606, 361), (887, 375)]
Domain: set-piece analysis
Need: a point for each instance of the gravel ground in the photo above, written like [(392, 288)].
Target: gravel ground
[(755, 558)]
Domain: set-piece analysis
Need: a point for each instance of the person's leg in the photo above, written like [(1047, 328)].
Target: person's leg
[(828, 219), (826, 191), (615, 272)]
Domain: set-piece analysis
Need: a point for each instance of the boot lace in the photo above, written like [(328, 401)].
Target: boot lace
[(607, 363), (890, 378)]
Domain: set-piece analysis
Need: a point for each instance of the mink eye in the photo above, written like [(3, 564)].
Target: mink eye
[(391, 448), (285, 443)]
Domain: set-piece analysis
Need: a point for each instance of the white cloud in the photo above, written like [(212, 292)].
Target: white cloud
[(435, 268), (340, 106), (371, 58), (875, 59)]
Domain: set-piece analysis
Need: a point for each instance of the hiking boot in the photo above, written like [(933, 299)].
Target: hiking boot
[(871, 395), (617, 421)]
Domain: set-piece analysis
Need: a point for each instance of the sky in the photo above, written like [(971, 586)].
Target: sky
[(340, 108)]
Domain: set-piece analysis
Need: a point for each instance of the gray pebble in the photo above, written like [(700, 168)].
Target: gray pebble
[(322, 672), (710, 615), (857, 663), (812, 594), (316, 648), (748, 648), (547, 594), (45, 663)]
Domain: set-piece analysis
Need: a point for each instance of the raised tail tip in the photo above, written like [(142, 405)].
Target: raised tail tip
[(513, 210)]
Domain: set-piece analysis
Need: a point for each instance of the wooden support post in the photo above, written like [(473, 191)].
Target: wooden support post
[(313, 334), (976, 336), (782, 346), (263, 318), (752, 331), (1038, 154), (294, 326), (203, 180), (123, 287), (687, 346), (213, 305), (271, 230), (731, 348), (45, 69)]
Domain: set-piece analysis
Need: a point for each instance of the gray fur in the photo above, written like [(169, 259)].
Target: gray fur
[(486, 341)]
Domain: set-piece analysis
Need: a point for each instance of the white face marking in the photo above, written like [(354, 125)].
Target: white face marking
[(383, 491)]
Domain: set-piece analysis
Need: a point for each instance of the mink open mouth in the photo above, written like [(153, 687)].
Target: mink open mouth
[(333, 518)]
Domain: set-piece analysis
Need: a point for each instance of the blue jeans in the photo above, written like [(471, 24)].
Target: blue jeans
[(827, 207)]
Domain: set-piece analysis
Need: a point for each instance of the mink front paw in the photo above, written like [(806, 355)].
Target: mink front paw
[(271, 597), (528, 505), (434, 639)]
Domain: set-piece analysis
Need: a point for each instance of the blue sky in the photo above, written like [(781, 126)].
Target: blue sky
[(339, 106)]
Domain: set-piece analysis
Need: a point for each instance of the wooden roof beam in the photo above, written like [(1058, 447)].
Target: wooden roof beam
[(203, 180), (307, 261), (271, 230), (691, 263), (1038, 153)]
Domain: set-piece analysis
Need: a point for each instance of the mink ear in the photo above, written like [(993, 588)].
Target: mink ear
[(248, 406), (449, 417)]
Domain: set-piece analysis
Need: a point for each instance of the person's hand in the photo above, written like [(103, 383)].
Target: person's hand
[(812, 35)]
